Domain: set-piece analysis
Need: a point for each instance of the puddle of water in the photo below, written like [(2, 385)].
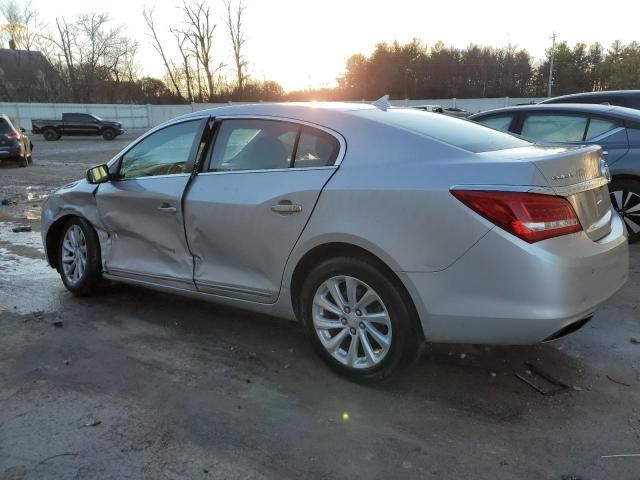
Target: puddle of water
[(25, 281)]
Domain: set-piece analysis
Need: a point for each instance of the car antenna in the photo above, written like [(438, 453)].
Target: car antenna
[(382, 103)]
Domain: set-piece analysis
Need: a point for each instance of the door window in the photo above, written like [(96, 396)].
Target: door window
[(544, 127), (499, 122), (164, 152), (316, 149), (599, 126), (247, 144)]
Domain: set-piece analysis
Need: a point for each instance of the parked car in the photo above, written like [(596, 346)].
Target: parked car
[(620, 98), (615, 129), (77, 124), (14, 142), (457, 112), (429, 108), (376, 228)]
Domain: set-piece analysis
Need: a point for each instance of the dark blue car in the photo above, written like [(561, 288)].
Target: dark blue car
[(615, 129)]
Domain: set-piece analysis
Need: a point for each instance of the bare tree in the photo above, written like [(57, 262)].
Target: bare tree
[(236, 34), (65, 42), (199, 31), (23, 24), (181, 39), (157, 45)]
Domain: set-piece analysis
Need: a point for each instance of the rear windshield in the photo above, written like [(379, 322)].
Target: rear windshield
[(5, 126), (458, 132)]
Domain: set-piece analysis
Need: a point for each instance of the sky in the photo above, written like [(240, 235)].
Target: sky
[(305, 43)]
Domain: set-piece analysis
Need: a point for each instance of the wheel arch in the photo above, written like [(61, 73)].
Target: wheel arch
[(54, 234), (333, 249)]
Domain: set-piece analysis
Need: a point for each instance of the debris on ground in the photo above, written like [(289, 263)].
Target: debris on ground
[(619, 382), (621, 455), (494, 374), (58, 324), (463, 356), (543, 382), (21, 229), (251, 356), (67, 362), (91, 424), (577, 388), (7, 201), (635, 340)]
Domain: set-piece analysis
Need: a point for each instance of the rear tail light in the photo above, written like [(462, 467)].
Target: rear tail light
[(529, 216)]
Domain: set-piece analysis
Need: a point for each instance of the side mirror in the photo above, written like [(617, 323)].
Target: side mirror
[(99, 174)]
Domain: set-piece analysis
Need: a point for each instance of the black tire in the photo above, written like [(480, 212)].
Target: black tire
[(91, 279), (625, 197), (405, 337), (50, 135), (108, 134)]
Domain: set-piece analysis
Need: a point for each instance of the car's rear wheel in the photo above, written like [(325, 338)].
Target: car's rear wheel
[(358, 319), (50, 135), (108, 134), (79, 257), (625, 197)]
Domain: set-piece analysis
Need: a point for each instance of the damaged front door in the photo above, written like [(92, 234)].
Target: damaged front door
[(141, 208)]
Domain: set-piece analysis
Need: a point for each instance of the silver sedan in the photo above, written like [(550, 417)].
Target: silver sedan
[(377, 228)]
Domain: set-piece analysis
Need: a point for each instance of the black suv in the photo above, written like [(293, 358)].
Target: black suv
[(14, 143), (619, 98)]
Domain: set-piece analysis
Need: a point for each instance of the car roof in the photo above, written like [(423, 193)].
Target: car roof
[(605, 93), (332, 115), (610, 110)]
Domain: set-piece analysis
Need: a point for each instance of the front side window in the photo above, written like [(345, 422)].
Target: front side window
[(164, 152), (544, 127), (499, 122), (599, 126), (78, 117)]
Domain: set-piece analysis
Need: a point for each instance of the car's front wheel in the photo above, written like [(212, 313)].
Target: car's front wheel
[(360, 321), (79, 257), (625, 197), (108, 134)]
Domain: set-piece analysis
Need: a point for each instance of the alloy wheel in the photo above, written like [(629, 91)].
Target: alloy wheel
[(627, 204), (352, 322), (74, 254)]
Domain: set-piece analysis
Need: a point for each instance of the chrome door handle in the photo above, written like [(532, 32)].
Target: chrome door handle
[(286, 208), (166, 208)]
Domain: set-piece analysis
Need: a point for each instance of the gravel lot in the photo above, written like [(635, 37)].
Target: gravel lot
[(135, 384)]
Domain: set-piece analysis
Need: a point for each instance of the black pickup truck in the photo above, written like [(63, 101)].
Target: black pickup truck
[(77, 124)]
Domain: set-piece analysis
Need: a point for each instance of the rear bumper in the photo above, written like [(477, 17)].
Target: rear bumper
[(506, 291)]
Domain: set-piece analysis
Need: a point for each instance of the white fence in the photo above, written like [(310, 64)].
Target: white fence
[(142, 117)]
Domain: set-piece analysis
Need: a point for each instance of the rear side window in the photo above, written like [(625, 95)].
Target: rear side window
[(255, 144), (461, 133), (499, 122), (78, 117), (632, 102), (599, 126), (247, 144), (545, 127), (316, 149), (5, 126)]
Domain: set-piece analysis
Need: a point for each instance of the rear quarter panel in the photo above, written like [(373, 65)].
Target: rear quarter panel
[(391, 197)]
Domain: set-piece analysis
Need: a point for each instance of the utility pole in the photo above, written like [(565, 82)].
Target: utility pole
[(553, 54)]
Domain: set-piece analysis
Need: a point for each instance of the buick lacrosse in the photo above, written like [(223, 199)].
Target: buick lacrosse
[(377, 228)]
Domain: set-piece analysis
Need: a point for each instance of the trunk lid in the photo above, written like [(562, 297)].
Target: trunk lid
[(577, 173)]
